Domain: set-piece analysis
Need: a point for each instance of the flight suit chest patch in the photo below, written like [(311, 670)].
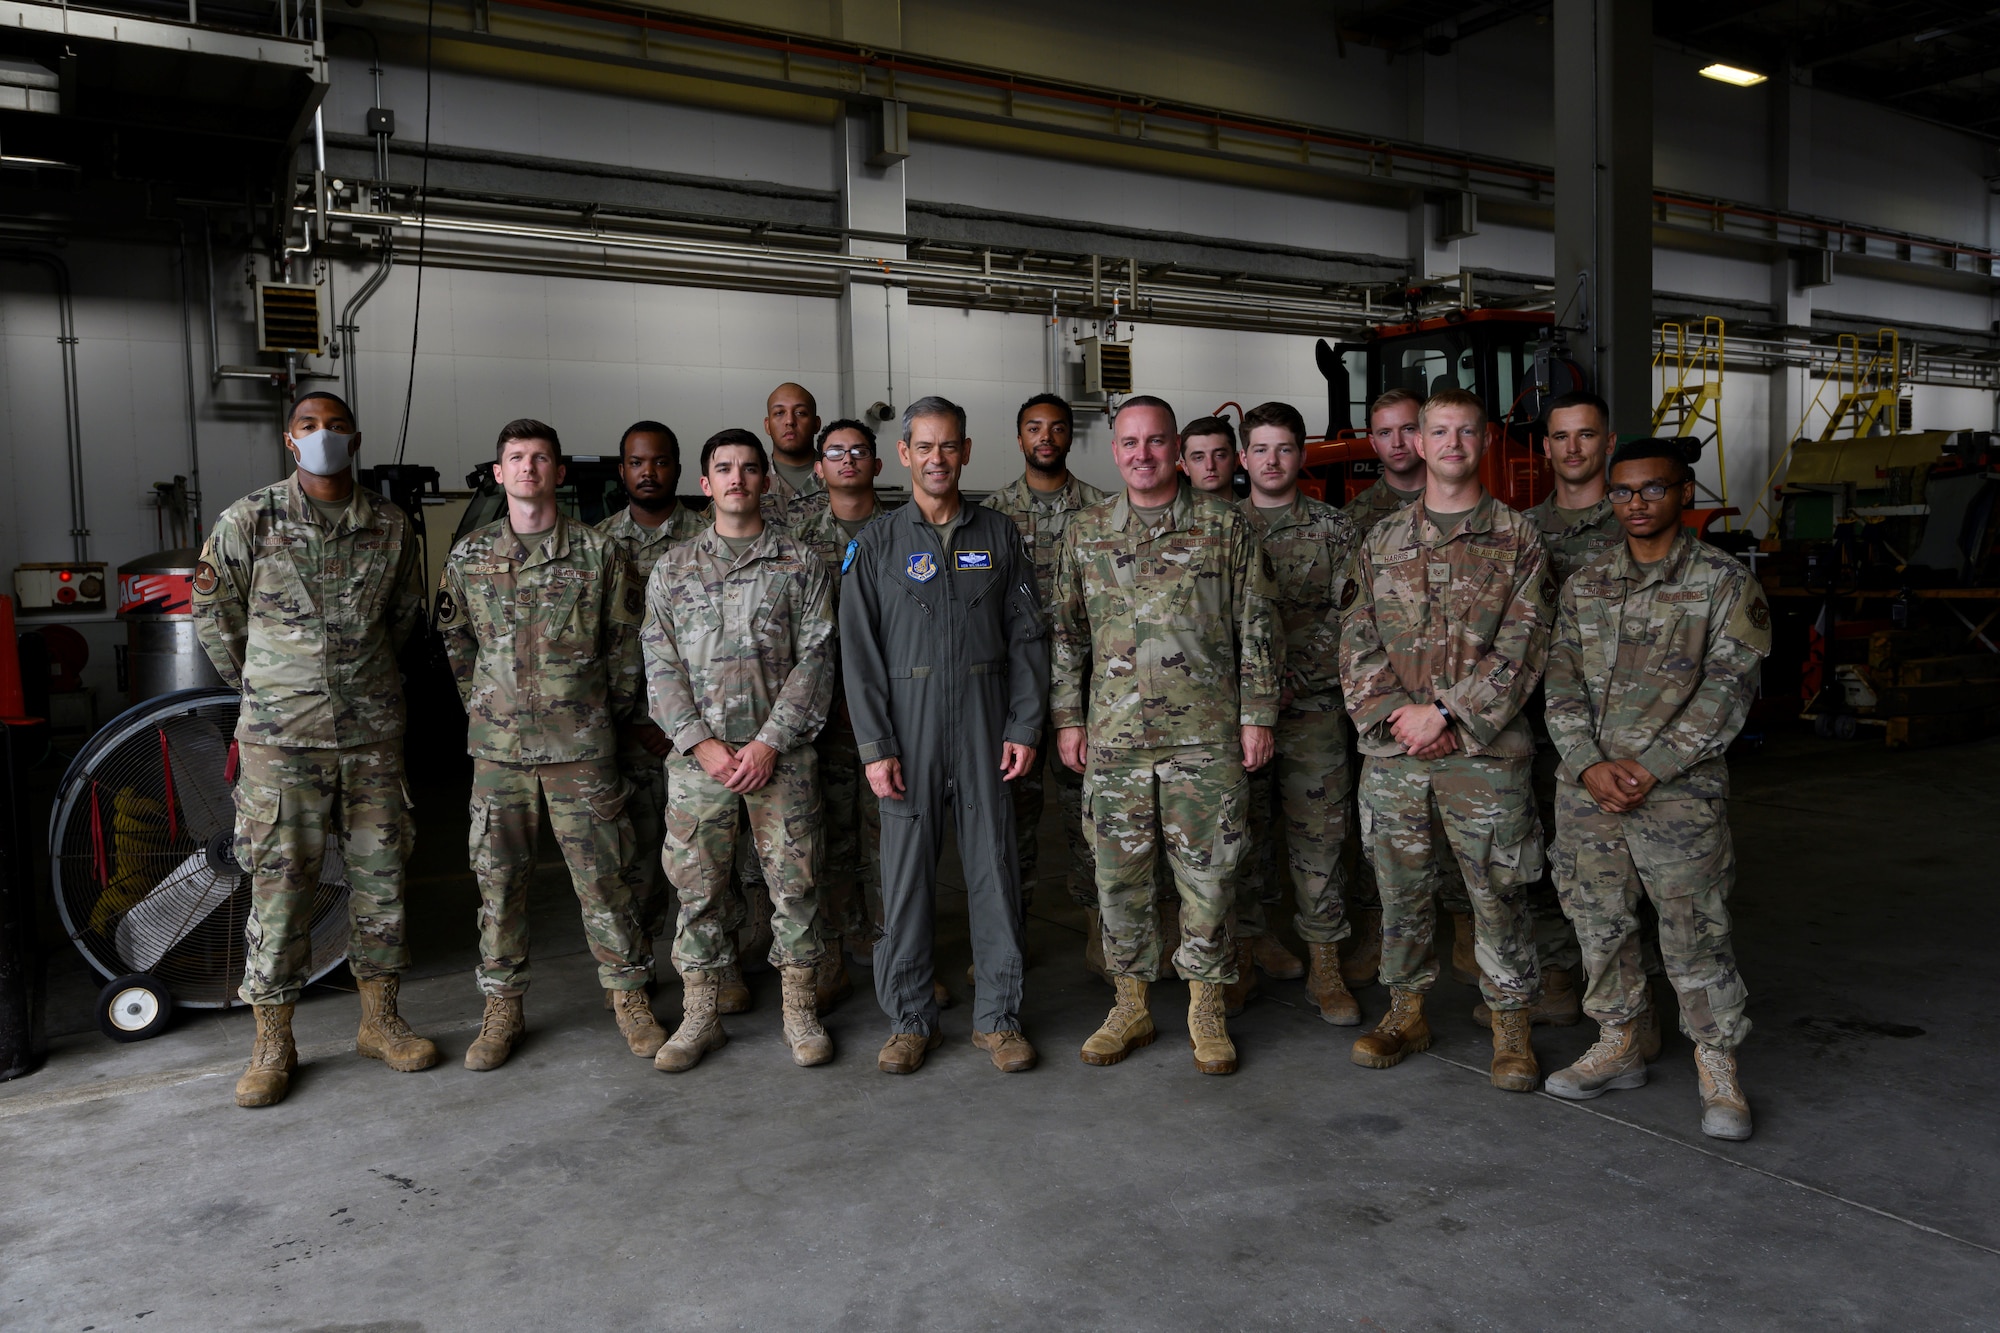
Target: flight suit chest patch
[(974, 559), (921, 567)]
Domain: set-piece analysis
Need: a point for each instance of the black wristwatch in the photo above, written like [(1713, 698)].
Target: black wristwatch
[(1443, 712)]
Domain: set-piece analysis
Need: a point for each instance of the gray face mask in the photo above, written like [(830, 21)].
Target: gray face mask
[(325, 453)]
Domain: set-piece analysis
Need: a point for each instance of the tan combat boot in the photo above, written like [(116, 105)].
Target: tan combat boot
[(1614, 1062), (1126, 1028), (1560, 1005), (499, 1028), (732, 994), (904, 1052), (1364, 948), (1274, 960), (273, 1058), (1514, 1068), (1648, 1024), (1464, 962), (700, 1031), (940, 993), (830, 981), (642, 1031), (1011, 1052), (1093, 945), (384, 1035), (1326, 988), (808, 1040), (1725, 1111), (1208, 1033), (1401, 1032), (1238, 992)]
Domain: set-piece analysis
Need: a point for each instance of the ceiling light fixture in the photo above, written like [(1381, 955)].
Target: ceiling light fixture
[(1742, 78)]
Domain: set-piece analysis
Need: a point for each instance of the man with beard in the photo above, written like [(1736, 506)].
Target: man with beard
[(649, 467), (850, 886), (1040, 502), (791, 423)]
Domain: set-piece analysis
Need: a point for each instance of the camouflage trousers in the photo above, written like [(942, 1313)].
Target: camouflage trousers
[(850, 890), (1184, 804), (1304, 789), (703, 823), (1678, 854), (1448, 884), (645, 799), (288, 802), (1486, 809), (1555, 938), (586, 802), (1030, 794)]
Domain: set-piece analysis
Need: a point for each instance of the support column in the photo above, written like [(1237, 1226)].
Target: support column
[(1791, 300), (874, 308), (1604, 197)]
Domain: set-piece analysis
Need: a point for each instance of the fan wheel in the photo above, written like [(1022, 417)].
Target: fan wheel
[(135, 1007), (143, 858)]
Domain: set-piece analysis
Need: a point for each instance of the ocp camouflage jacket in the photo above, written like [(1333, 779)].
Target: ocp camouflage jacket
[(545, 647), (740, 648), (307, 622), (1462, 619), (1657, 665)]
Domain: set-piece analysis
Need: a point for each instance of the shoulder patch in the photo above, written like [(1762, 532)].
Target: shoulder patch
[(635, 602), (447, 608), (1349, 592), (1760, 614), (1270, 569), (205, 578), (847, 559), (1549, 589)]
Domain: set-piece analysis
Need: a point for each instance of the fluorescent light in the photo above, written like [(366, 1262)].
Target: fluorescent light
[(1742, 78)]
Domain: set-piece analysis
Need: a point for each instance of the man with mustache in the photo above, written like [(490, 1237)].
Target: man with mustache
[(1041, 501), (649, 468), (850, 887), (738, 646)]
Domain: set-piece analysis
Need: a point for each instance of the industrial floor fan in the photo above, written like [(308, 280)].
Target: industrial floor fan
[(141, 852)]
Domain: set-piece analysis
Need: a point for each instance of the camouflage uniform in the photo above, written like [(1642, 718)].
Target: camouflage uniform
[(645, 773), (306, 623), (785, 505), (1462, 620), (1657, 665), (1364, 511), (545, 649), (851, 885), (1166, 646), (1042, 517), (1309, 783), (1373, 505), (1571, 545)]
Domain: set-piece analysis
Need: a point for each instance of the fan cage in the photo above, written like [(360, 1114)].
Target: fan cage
[(119, 836)]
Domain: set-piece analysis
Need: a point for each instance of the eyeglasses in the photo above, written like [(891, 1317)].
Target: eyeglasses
[(860, 453), (1652, 490)]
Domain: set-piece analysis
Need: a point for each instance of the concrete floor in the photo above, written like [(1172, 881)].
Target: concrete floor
[(578, 1189)]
